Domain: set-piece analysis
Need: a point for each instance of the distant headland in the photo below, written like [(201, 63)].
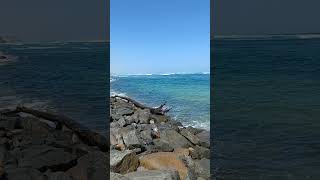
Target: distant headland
[(8, 39)]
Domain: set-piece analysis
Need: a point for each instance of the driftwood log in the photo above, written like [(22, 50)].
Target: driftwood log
[(86, 135), (161, 110)]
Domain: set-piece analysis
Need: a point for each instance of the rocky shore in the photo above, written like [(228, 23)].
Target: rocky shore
[(37, 145), (148, 144), (145, 143)]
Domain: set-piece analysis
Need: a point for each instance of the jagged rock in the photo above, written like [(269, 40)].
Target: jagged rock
[(44, 157), (164, 160), (146, 136), (191, 137), (174, 139), (123, 161), (204, 138), (162, 146), (159, 118), (200, 152), (122, 108), (122, 122), (194, 130), (90, 166), (154, 175), (143, 116), (202, 168), (130, 138), (170, 125), (116, 176), (24, 174)]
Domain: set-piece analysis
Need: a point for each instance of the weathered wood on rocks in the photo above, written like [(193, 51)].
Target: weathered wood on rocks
[(158, 110), (86, 135)]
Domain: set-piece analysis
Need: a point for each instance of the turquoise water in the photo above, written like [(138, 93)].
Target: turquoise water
[(63, 77), (187, 94)]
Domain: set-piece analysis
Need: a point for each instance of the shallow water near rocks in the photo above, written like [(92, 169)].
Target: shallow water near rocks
[(187, 94)]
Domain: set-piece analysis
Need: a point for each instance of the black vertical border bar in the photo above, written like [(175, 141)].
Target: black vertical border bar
[(108, 85), (212, 173)]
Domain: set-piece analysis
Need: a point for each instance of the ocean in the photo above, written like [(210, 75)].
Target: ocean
[(187, 94), (266, 108), (62, 77)]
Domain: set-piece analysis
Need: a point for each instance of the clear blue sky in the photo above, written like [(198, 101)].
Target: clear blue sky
[(159, 36)]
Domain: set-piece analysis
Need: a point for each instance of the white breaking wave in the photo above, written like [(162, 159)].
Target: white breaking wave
[(161, 74)]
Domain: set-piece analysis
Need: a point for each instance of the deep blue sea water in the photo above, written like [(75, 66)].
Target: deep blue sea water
[(69, 78), (266, 110), (187, 94)]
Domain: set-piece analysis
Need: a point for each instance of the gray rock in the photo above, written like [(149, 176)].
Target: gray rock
[(191, 137), (90, 166), (146, 136), (202, 168), (124, 109), (159, 118), (174, 139), (44, 157), (116, 176), (194, 130), (162, 146), (130, 138), (123, 161), (154, 175), (204, 138), (122, 122), (143, 116), (200, 152)]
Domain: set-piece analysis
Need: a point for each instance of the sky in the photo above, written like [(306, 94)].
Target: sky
[(57, 20), (258, 17), (166, 36)]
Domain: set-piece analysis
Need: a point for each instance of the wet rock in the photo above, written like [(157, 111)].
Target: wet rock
[(174, 139), (44, 157), (90, 166), (204, 138), (123, 161), (191, 137), (194, 130), (154, 175), (164, 160), (200, 152), (116, 176)]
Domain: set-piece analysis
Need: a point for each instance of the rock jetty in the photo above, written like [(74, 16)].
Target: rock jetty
[(147, 144), (37, 145)]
